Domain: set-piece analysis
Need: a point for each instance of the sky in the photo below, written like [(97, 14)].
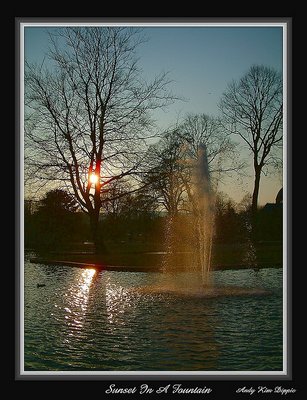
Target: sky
[(201, 61)]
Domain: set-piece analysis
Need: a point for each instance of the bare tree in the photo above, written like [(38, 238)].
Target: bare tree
[(164, 177), (198, 130), (176, 155), (88, 113), (253, 109), (115, 200)]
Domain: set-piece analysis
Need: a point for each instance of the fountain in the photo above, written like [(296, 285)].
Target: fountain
[(187, 262), (204, 214)]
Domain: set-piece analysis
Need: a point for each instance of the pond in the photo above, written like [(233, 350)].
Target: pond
[(88, 320)]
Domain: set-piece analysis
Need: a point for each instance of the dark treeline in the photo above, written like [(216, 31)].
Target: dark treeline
[(56, 223)]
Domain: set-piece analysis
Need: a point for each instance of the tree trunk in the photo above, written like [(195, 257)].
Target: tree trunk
[(256, 191), (97, 236), (254, 208)]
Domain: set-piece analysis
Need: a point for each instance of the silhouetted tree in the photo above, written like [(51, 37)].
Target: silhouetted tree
[(116, 198), (58, 202), (165, 176), (269, 223), (205, 133), (89, 113), (175, 157), (229, 227), (54, 221), (29, 225), (252, 108), (128, 214), (245, 205)]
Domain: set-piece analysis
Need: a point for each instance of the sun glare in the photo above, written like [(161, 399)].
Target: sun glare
[(93, 178)]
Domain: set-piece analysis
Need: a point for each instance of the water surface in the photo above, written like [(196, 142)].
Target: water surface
[(84, 320)]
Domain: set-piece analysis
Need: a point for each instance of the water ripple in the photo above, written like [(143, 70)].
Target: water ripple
[(84, 320)]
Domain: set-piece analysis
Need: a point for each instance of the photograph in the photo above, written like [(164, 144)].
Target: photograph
[(154, 200)]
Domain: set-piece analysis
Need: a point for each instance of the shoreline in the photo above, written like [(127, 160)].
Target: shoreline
[(135, 268)]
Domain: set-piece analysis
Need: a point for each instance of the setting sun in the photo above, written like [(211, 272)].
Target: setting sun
[(93, 178)]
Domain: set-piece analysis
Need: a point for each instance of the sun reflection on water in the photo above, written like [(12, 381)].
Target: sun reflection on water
[(76, 303), (81, 296)]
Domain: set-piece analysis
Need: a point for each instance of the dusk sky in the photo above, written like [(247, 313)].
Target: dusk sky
[(201, 62)]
